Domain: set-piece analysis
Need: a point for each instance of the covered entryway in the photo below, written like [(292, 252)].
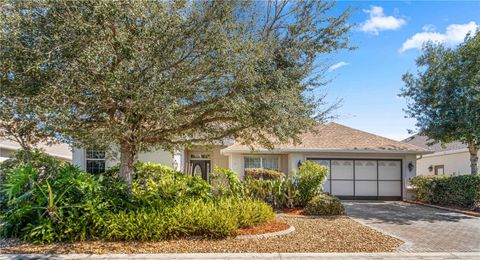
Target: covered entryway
[(373, 179)]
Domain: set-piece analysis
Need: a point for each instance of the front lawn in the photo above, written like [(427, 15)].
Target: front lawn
[(316, 234)]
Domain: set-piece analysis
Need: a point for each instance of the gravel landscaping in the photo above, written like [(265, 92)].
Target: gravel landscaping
[(313, 234)]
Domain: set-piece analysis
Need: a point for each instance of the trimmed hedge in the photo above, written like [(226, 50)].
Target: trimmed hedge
[(324, 204), (263, 174), (461, 191)]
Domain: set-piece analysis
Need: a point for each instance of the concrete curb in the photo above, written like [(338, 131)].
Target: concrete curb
[(466, 212), (267, 235)]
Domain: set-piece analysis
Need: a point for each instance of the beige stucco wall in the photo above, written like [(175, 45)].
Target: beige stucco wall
[(454, 163), (217, 159)]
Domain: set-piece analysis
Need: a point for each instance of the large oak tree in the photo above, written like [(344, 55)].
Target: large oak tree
[(140, 75), (444, 95)]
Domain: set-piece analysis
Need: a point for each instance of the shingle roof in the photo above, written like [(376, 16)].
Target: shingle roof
[(335, 137), (422, 141)]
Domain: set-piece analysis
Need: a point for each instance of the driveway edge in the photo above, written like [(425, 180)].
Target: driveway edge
[(466, 212)]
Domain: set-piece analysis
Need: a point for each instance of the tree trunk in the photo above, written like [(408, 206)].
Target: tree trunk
[(473, 149), (127, 161)]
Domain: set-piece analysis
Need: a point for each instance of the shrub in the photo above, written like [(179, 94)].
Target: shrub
[(61, 206), (226, 183), (263, 174), (278, 193), (461, 191), (310, 179), (71, 205), (214, 219), (153, 182), (39, 160), (324, 204)]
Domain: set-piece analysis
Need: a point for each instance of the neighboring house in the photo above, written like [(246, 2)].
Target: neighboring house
[(449, 159), (361, 165), (61, 151)]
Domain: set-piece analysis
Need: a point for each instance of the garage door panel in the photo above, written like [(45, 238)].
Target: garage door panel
[(342, 188), (342, 169), (390, 188), (367, 178), (389, 170), (365, 188), (365, 170)]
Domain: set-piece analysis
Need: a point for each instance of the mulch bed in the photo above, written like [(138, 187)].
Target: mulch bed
[(295, 211), (321, 234), (269, 227)]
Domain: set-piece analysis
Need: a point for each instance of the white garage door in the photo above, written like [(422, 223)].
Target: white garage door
[(363, 179)]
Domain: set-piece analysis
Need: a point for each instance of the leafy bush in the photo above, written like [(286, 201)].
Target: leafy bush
[(461, 191), (324, 204), (215, 219), (39, 160), (153, 182), (263, 174), (226, 183), (310, 179), (71, 205), (278, 193), (60, 206), (281, 190)]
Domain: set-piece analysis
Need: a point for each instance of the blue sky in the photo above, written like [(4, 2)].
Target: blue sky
[(388, 35)]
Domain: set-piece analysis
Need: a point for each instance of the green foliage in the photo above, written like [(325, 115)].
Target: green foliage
[(58, 206), (153, 182), (42, 165), (71, 205), (184, 72), (279, 193), (212, 218), (444, 96), (324, 204), (38, 159), (226, 183), (286, 191), (263, 174), (310, 180), (461, 191)]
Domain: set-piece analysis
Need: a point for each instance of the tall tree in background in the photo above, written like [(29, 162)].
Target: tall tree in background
[(444, 95), (140, 75)]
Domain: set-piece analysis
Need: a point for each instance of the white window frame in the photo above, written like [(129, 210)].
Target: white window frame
[(94, 159), (261, 161)]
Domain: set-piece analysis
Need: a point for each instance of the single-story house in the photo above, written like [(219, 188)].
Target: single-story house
[(361, 165), (449, 159), (60, 151)]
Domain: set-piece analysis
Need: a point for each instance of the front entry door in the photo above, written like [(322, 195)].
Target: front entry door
[(200, 168)]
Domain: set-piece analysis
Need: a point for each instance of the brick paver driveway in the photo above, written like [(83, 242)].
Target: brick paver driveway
[(423, 229)]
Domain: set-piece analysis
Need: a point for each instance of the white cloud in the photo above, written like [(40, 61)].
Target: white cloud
[(454, 34), (337, 66), (379, 22), (429, 28)]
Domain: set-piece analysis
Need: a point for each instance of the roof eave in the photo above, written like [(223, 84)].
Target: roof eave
[(227, 151)]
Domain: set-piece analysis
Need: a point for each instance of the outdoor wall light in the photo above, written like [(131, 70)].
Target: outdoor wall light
[(410, 166), (430, 168)]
